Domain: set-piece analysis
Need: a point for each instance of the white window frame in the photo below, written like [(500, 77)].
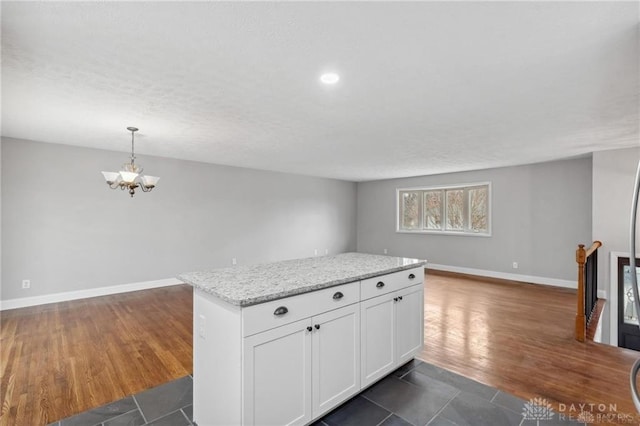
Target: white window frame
[(465, 232)]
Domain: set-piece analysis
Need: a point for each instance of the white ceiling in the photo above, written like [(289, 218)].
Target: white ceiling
[(425, 87)]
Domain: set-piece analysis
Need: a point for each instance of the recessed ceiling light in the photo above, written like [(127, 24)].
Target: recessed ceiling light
[(329, 78)]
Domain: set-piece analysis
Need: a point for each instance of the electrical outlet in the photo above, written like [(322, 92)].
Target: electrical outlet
[(26, 284), (315, 252), (234, 261), (326, 252), (515, 265), (384, 251)]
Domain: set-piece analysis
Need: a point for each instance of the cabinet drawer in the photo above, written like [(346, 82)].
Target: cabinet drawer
[(265, 316), (411, 277), (376, 286)]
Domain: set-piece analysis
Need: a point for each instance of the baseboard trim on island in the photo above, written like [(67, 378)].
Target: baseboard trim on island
[(66, 296), (504, 276)]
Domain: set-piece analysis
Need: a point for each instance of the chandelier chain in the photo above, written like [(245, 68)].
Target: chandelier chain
[(133, 130)]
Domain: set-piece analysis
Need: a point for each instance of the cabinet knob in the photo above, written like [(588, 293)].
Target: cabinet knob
[(395, 299), (317, 326), (380, 284), (338, 295), (309, 328), (281, 310), (411, 276), (399, 297)]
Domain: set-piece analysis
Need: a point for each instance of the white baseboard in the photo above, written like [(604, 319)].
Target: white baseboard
[(23, 302), (505, 276)]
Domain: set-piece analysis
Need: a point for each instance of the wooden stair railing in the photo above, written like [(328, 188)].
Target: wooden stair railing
[(587, 286)]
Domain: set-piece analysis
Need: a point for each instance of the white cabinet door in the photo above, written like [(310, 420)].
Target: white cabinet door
[(377, 338), (277, 376), (409, 323), (335, 357)]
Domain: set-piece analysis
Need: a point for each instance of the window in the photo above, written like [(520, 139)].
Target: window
[(460, 209)]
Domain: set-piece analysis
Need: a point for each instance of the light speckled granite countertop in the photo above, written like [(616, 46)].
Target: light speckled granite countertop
[(253, 284)]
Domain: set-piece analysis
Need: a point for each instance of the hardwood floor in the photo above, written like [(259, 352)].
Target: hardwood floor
[(64, 358), (61, 359), (519, 339)]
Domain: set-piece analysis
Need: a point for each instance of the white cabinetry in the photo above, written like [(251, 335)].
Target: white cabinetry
[(291, 360), (335, 358), (392, 324), (277, 373), (378, 335), (409, 323), (299, 371)]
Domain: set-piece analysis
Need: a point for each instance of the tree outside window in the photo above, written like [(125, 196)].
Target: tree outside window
[(459, 209)]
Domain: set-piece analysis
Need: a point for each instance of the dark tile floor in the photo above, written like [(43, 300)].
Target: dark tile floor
[(415, 394)]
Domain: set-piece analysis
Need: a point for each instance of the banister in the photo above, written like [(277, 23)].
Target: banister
[(596, 244), (582, 257)]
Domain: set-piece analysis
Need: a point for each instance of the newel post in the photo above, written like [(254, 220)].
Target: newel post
[(581, 321)]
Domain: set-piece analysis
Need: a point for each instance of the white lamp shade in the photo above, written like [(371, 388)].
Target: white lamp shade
[(111, 176), (128, 177), (149, 180)]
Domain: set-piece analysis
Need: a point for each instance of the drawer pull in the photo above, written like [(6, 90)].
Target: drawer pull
[(380, 284), (317, 326), (309, 328), (338, 295), (281, 310), (400, 298), (411, 276), (395, 299)]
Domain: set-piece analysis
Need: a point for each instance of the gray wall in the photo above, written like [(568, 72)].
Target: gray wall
[(540, 212), (0, 218), (63, 229), (613, 177)]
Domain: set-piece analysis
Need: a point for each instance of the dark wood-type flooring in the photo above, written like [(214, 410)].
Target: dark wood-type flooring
[(64, 358), (519, 338), (61, 359)]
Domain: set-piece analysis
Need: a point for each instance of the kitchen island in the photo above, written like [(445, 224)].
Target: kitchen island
[(286, 342)]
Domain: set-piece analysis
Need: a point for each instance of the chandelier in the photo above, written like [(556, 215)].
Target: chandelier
[(131, 177)]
